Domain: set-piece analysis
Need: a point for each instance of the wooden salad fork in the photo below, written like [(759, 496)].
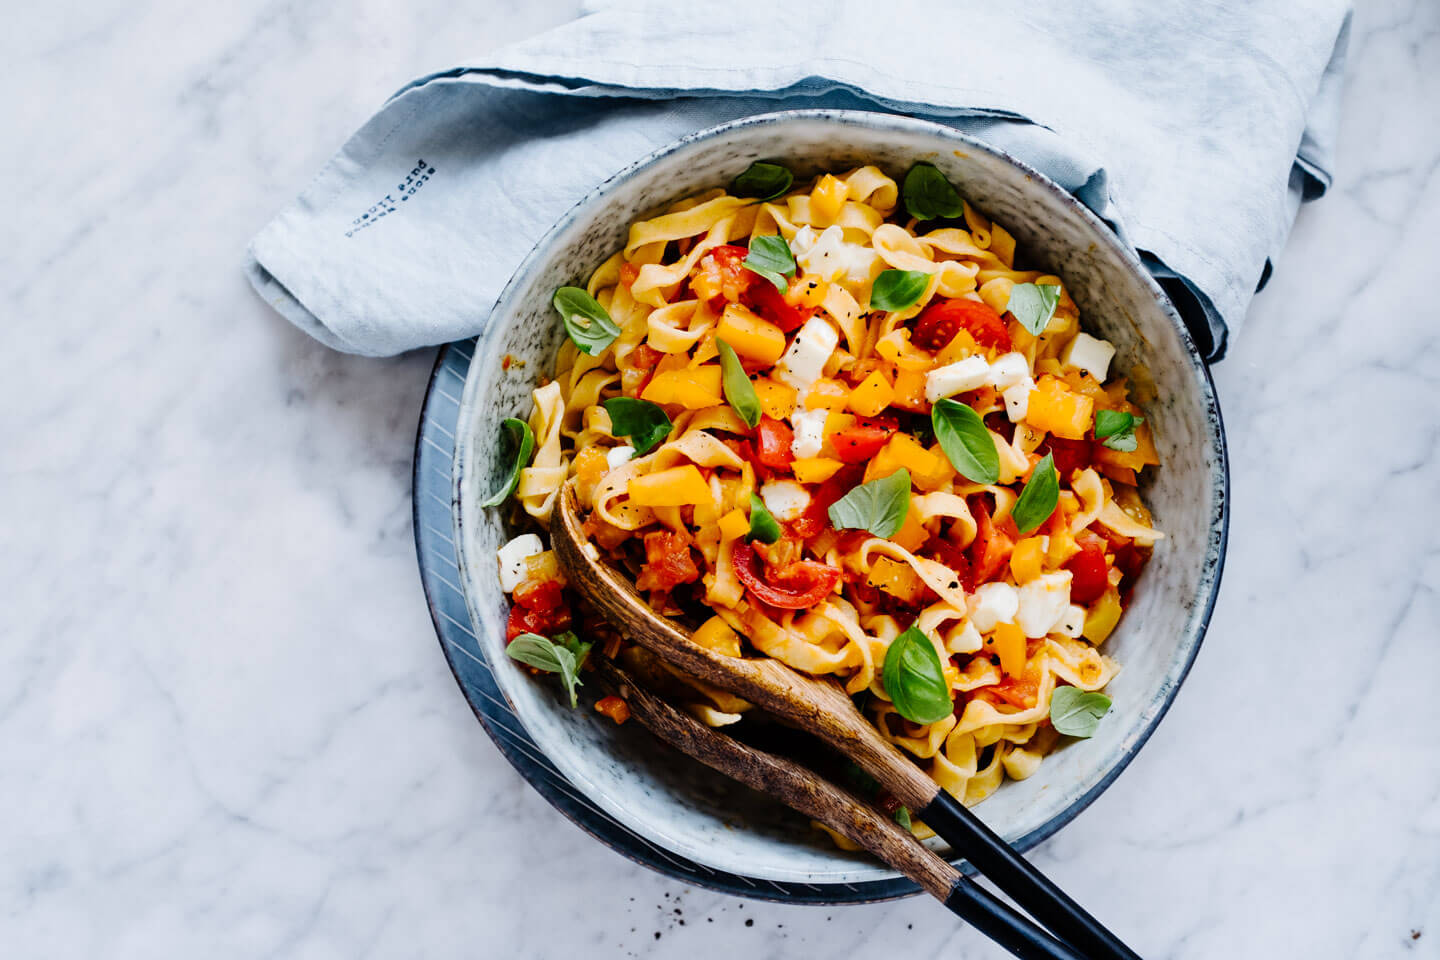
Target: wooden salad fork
[(824, 709)]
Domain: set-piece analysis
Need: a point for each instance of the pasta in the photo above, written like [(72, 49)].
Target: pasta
[(820, 428)]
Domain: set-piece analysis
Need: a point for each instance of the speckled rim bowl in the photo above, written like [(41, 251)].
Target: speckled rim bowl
[(691, 811)]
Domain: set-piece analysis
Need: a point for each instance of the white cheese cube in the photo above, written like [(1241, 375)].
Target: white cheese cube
[(804, 360), (512, 558), (963, 638), (1009, 370), (1017, 399), (972, 373), (1072, 621), (785, 499), (616, 456), (809, 432), (992, 604), (1042, 603), (825, 258), (1090, 354), (803, 240)]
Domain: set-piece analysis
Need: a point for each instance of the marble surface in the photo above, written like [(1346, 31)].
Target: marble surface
[(226, 729)]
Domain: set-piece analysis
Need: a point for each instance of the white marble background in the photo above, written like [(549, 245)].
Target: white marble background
[(226, 729)]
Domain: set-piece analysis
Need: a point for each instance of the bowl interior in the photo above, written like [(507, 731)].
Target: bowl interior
[(675, 802)]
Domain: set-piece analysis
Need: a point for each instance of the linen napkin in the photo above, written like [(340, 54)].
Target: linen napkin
[(1194, 128)]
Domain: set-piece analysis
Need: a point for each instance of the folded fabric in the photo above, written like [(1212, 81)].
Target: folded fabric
[(1194, 129)]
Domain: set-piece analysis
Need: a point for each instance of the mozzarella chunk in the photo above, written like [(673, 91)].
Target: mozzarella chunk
[(785, 499), (809, 432), (972, 373), (1009, 370), (512, 559), (804, 360), (1043, 602), (617, 456), (1090, 354), (825, 258), (963, 638), (1017, 399), (1072, 621), (992, 604), (803, 240)]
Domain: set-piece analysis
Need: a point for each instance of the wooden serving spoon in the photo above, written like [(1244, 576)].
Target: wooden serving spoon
[(825, 710)]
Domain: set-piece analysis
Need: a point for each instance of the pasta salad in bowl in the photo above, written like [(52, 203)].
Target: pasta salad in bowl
[(888, 412)]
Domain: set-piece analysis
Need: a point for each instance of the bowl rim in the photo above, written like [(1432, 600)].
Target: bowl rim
[(1217, 526)]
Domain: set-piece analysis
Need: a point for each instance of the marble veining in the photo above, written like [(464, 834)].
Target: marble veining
[(225, 726)]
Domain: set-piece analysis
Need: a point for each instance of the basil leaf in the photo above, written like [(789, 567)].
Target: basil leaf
[(1037, 501), (965, 440), (1033, 305), (929, 195), (645, 423), (738, 388), (1117, 429), (898, 289), (915, 680), (771, 258), (763, 526), (586, 321), (860, 781), (763, 181), (563, 657), (520, 441), (879, 506), (902, 816), (1075, 712)]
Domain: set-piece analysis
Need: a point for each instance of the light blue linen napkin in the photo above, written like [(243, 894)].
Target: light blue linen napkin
[(1195, 128)]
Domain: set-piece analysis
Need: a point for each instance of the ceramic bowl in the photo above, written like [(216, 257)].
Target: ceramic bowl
[(675, 803)]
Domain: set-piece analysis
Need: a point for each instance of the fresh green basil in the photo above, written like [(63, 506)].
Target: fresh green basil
[(860, 781), (763, 526), (879, 506), (1033, 305), (915, 680), (771, 258), (563, 655), (645, 423), (1076, 713), (587, 323), (965, 440), (1116, 429), (519, 442), (898, 289), (929, 195), (902, 817), (738, 388), (763, 181), (1037, 501)]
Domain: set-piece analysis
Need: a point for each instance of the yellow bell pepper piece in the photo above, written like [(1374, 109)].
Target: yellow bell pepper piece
[(827, 199), (715, 634), (910, 391), (750, 336), (1008, 641), (903, 450), (814, 469), (1026, 560), (912, 535), (1062, 545), (777, 400), (827, 394), (896, 579), (693, 389), (872, 395), (962, 345), (1104, 614), (1057, 410), (810, 292), (675, 487), (734, 525)]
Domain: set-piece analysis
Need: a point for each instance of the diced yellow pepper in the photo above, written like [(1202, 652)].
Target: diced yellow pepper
[(814, 469), (675, 487), (912, 535), (827, 199), (809, 292), (734, 525), (902, 450), (590, 468), (1062, 545), (1009, 644), (750, 336), (897, 579), (836, 421), (962, 345), (1059, 411), (1103, 615), (827, 394), (693, 389), (910, 391), (777, 400), (1026, 560), (872, 395), (715, 634)]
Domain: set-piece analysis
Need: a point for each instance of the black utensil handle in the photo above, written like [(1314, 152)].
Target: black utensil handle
[(1013, 874), (998, 921)]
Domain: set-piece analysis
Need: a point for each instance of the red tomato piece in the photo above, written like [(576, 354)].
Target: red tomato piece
[(1016, 691), (817, 513), (772, 443), (1089, 572), (938, 324), (668, 562), (796, 586), (544, 622), (721, 276), (953, 556), (990, 551), (539, 594), (769, 303), (863, 439), (1070, 455)]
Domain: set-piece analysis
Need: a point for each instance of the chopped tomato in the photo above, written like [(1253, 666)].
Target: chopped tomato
[(939, 322), (990, 551), (638, 368), (1089, 572), (721, 276), (772, 444), (546, 622), (953, 556), (1070, 455), (863, 439), (540, 594), (668, 562), (628, 273), (796, 586), (613, 707), (1130, 560), (764, 299), (1017, 691), (817, 513)]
